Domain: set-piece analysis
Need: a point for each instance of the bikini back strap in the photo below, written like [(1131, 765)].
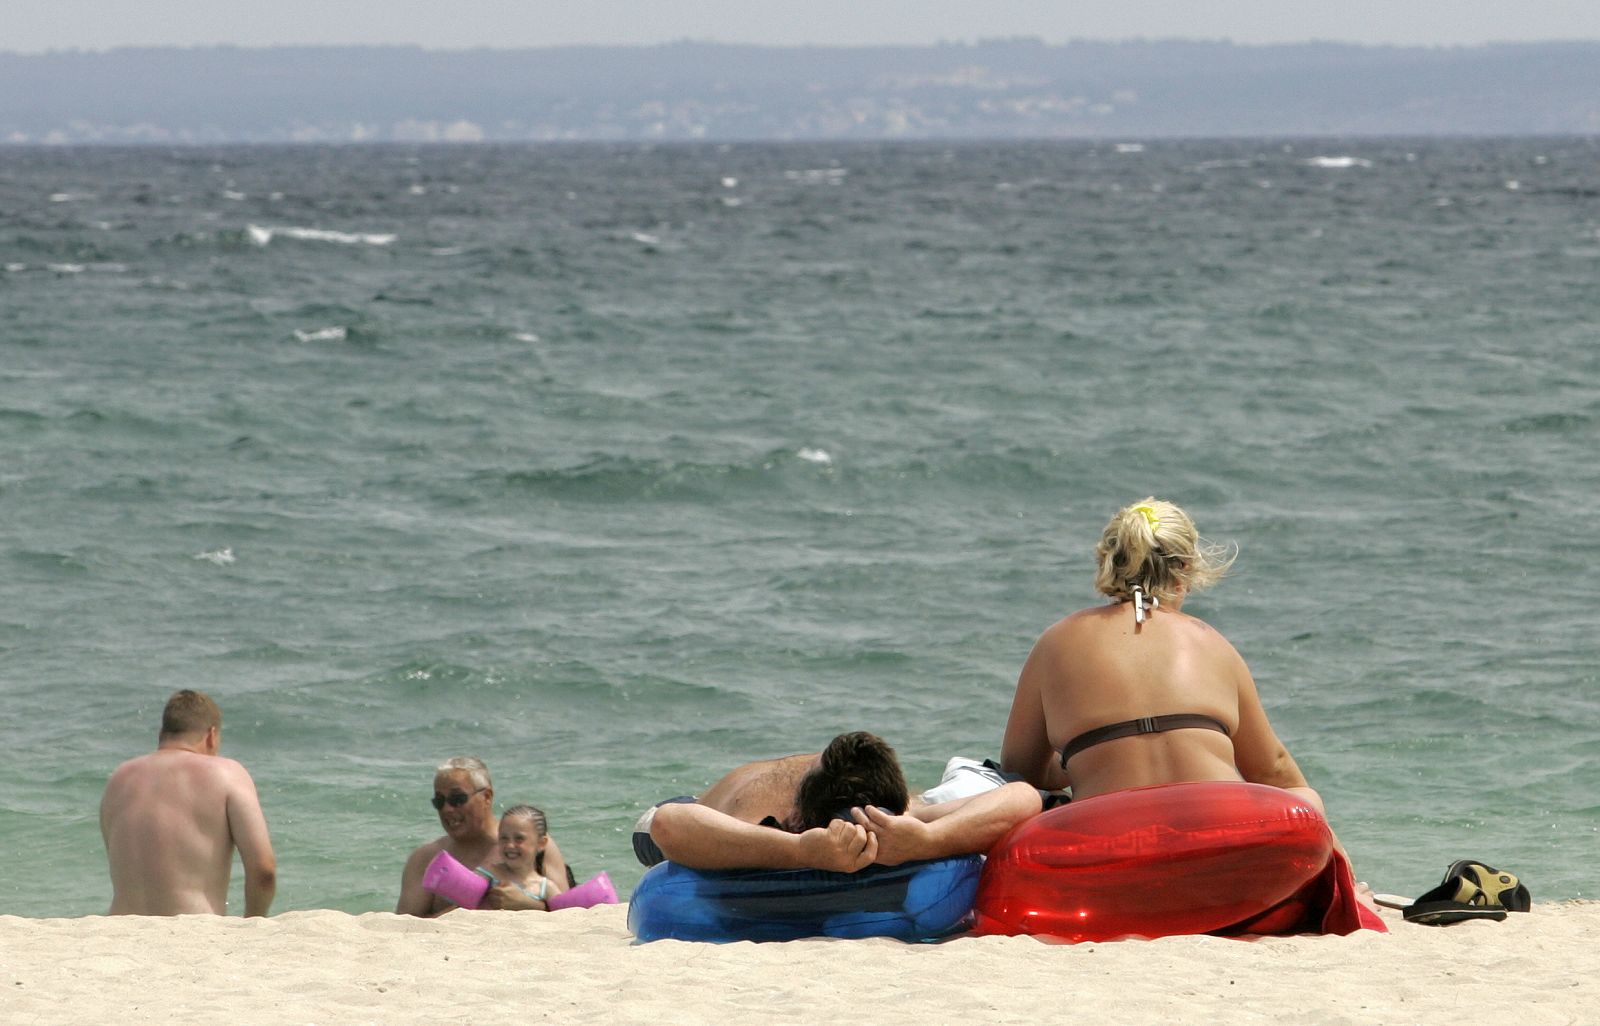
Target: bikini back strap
[(1142, 725)]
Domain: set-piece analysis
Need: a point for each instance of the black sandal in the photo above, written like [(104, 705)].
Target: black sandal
[(1470, 890)]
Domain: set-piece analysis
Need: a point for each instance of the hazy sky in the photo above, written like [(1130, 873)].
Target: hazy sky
[(35, 25)]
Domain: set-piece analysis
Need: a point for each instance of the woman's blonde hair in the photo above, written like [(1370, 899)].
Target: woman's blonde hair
[(1154, 544)]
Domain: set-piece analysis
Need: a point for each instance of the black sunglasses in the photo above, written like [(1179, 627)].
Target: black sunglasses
[(455, 801)]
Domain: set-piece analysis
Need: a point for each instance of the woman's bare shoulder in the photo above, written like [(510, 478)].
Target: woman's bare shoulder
[(1209, 630), (1214, 643), (1083, 619)]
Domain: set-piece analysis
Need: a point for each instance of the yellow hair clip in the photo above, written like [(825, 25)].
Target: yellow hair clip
[(1149, 517)]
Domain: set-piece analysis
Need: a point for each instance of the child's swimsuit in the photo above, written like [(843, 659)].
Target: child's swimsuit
[(544, 885)]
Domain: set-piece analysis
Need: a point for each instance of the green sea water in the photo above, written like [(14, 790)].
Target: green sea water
[(619, 466)]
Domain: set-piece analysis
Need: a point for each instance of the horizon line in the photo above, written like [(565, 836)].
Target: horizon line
[(705, 42)]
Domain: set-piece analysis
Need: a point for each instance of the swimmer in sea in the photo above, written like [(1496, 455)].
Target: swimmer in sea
[(463, 796), (519, 882), (173, 818)]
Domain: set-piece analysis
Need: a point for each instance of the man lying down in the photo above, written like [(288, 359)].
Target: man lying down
[(840, 809)]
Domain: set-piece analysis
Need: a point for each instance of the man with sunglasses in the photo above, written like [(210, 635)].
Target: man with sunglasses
[(463, 796), (171, 820)]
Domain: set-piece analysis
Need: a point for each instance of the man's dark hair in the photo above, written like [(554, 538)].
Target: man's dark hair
[(856, 769)]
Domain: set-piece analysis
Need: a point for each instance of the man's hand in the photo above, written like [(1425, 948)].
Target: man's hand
[(899, 838), (841, 846)]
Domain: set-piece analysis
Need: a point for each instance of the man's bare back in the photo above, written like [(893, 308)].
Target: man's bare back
[(171, 820), (758, 790)]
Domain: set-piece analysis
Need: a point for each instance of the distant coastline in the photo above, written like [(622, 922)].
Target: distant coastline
[(688, 91)]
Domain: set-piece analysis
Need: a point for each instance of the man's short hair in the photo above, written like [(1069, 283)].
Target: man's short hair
[(471, 765), (855, 769), (189, 712)]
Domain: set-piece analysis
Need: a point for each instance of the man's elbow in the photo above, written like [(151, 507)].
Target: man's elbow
[(670, 828), (412, 904), (260, 887), (262, 875), (677, 831), (1019, 800)]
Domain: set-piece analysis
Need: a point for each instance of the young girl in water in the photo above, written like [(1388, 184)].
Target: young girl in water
[(518, 864)]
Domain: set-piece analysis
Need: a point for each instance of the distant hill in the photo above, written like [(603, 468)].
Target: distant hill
[(1004, 89)]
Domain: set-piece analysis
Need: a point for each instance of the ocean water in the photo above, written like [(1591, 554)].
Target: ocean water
[(619, 466)]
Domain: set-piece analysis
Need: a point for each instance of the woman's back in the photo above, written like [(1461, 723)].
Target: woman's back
[(1100, 669)]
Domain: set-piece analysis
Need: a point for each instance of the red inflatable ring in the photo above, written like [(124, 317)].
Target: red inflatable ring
[(1209, 857)]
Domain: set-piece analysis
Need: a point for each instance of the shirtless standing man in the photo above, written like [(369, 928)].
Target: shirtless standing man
[(171, 820), (463, 795), (789, 813)]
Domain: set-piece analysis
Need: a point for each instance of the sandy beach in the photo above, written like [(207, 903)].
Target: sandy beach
[(580, 966)]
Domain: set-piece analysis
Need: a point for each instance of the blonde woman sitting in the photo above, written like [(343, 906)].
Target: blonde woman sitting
[(1137, 692)]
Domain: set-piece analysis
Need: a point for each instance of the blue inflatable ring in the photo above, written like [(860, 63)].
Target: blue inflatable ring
[(916, 901)]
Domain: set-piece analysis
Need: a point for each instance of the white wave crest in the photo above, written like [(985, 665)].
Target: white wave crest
[(334, 334), (817, 175), (221, 557), (261, 236), (818, 456), (1338, 163)]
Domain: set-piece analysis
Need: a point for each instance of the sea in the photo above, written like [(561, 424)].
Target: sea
[(620, 465)]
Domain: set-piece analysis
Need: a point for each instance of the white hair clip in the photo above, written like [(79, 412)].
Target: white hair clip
[(1141, 612)]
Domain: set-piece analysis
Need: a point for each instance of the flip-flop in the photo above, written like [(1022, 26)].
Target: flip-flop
[(1470, 890)]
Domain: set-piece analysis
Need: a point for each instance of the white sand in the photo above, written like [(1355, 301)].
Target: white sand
[(580, 966)]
